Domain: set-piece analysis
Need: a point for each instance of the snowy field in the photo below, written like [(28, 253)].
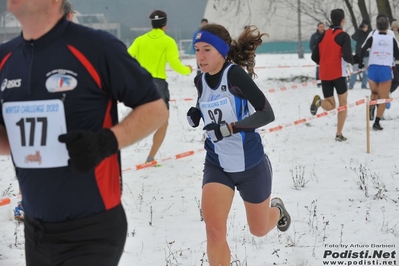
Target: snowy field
[(343, 201)]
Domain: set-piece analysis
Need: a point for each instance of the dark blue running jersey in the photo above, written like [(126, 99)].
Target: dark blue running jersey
[(70, 79)]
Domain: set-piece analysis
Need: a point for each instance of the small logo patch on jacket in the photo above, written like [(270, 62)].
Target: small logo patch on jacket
[(61, 82)]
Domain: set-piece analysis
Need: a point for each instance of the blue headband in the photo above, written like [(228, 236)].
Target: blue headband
[(205, 36)]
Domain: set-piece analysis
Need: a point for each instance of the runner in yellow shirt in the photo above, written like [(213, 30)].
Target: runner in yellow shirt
[(153, 50)]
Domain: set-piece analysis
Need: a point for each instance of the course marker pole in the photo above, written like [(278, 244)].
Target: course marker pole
[(367, 124)]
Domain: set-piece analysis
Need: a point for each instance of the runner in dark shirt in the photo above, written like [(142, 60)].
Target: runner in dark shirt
[(60, 84)]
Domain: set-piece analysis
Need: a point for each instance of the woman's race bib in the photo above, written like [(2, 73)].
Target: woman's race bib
[(217, 111)]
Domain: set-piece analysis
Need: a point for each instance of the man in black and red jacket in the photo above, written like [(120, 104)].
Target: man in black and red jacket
[(331, 53), (60, 85)]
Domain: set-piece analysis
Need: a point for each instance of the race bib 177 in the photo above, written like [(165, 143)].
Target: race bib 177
[(33, 128)]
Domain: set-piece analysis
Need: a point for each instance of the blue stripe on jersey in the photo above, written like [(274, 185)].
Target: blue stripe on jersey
[(243, 136), (246, 109), (238, 103)]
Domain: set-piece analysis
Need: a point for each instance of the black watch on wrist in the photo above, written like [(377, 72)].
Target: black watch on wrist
[(225, 130)]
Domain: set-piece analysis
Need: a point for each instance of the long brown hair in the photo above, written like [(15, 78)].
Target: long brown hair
[(242, 50)]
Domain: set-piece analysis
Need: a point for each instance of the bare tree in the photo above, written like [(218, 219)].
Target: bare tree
[(319, 10), (384, 7), (363, 9), (236, 14), (300, 47), (395, 8), (351, 13)]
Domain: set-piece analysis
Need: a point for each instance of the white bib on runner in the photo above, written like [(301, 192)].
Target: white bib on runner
[(218, 111), (33, 128)]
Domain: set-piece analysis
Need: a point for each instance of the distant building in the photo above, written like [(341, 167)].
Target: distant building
[(136, 32), (11, 28), (99, 22)]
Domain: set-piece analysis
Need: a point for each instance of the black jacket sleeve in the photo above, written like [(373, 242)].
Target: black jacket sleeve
[(313, 40), (243, 86), (315, 52), (344, 41), (395, 49), (365, 47), (355, 36)]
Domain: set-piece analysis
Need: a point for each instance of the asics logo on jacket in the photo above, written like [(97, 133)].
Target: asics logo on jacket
[(10, 84)]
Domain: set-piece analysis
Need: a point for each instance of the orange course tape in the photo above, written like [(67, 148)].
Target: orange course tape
[(6, 201), (270, 90), (270, 130)]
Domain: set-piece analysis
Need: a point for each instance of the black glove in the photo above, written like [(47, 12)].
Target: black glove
[(356, 59), (217, 132), (87, 149), (361, 65), (194, 116)]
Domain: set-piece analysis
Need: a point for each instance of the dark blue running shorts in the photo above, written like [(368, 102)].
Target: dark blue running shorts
[(254, 185), (163, 89), (95, 240)]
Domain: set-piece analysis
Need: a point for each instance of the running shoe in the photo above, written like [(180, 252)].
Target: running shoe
[(377, 127), (315, 105), (155, 165), (285, 219), (340, 138)]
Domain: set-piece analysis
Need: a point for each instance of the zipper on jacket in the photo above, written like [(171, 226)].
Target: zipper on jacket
[(31, 55)]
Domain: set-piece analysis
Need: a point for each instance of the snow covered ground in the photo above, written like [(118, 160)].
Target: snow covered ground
[(343, 201)]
